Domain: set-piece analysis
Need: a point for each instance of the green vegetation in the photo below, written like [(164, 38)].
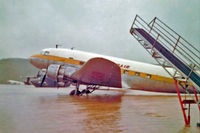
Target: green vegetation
[(15, 69)]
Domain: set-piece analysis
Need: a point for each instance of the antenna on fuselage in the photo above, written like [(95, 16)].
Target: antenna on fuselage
[(57, 45)]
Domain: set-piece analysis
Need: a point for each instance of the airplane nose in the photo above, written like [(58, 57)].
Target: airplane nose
[(32, 60), (38, 62), (35, 61)]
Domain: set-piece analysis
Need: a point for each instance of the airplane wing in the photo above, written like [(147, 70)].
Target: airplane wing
[(99, 71)]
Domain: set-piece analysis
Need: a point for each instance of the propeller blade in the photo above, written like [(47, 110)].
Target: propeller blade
[(43, 79)]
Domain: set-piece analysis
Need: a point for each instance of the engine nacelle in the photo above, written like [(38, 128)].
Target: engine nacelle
[(52, 71), (57, 73)]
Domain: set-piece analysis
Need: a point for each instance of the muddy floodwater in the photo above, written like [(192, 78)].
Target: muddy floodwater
[(26, 109)]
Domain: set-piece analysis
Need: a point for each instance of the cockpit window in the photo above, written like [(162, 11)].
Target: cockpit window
[(46, 53)]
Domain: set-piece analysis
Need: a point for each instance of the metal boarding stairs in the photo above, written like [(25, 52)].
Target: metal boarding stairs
[(176, 55)]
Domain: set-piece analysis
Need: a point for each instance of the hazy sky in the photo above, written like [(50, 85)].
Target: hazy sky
[(100, 26)]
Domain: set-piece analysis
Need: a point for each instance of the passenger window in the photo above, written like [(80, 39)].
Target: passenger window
[(137, 74), (125, 71), (46, 53), (81, 62), (148, 76)]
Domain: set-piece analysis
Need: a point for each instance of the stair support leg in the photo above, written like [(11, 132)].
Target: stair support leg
[(186, 119), (197, 100)]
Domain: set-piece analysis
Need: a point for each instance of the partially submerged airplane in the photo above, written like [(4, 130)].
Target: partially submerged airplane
[(62, 67)]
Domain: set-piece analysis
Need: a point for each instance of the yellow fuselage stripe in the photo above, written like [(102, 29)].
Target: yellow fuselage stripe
[(123, 71)]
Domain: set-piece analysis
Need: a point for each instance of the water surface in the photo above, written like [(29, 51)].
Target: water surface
[(25, 109)]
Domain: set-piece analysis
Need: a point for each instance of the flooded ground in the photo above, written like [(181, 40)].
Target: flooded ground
[(25, 109)]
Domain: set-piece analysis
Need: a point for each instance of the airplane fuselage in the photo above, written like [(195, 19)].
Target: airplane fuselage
[(135, 75)]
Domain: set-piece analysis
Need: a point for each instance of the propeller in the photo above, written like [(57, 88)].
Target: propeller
[(43, 79)]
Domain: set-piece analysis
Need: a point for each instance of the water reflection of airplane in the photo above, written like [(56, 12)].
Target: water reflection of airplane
[(102, 112), (62, 67)]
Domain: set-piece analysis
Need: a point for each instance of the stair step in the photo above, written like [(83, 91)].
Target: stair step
[(147, 47), (185, 108), (189, 102)]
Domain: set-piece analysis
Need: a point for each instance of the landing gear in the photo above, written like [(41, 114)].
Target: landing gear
[(73, 92), (89, 89), (85, 91), (76, 91)]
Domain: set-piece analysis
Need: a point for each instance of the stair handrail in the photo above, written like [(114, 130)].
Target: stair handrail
[(181, 51)]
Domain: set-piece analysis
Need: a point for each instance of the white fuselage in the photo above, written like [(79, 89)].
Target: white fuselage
[(135, 75), (85, 56)]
